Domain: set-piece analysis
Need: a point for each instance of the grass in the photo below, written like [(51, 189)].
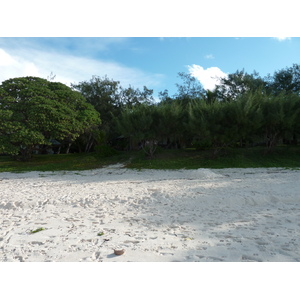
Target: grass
[(61, 162), (283, 156)]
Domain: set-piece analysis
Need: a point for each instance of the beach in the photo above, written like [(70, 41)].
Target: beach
[(202, 215)]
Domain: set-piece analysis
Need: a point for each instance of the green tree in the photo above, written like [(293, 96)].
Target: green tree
[(172, 124), (37, 111), (129, 97), (280, 116), (214, 125), (141, 126), (7, 126), (285, 80), (103, 94), (109, 99), (164, 97), (210, 96), (248, 116), (238, 83), (191, 89)]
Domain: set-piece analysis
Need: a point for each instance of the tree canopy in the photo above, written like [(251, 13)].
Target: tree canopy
[(109, 98), (244, 109), (34, 111)]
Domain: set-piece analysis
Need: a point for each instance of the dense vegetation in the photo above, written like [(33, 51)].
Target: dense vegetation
[(244, 111), (35, 111), (253, 157)]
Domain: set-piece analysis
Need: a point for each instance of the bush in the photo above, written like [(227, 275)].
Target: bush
[(105, 151), (202, 145)]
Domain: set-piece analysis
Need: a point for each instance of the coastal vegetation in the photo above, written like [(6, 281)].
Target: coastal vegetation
[(246, 121), (281, 157)]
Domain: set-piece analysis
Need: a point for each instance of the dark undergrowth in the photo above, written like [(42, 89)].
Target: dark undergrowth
[(282, 156)]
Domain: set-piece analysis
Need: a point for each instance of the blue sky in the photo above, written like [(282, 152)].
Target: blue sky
[(150, 61)]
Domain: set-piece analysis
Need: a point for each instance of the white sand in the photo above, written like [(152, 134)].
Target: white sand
[(232, 215)]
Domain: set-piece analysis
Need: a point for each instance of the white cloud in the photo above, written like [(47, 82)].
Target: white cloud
[(209, 77), (281, 39), (209, 56), (6, 59), (69, 69), (12, 66)]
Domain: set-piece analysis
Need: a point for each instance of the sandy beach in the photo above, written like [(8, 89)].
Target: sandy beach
[(204, 215)]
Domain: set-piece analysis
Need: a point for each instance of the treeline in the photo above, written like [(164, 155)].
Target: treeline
[(99, 114), (243, 110), (254, 118)]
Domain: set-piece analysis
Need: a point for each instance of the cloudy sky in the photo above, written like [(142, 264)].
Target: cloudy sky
[(148, 45), (150, 61)]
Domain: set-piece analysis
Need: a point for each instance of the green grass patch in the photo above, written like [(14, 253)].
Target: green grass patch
[(282, 157), (60, 162)]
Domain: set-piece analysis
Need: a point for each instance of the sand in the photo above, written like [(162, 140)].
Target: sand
[(203, 215)]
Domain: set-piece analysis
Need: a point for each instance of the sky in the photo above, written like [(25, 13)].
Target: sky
[(153, 62), (147, 44)]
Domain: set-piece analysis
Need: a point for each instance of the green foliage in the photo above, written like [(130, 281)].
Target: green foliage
[(238, 83), (103, 94), (213, 124), (190, 89), (139, 124), (285, 80), (248, 116), (109, 99), (281, 157), (61, 162), (105, 150), (280, 117), (36, 111), (172, 119), (243, 110)]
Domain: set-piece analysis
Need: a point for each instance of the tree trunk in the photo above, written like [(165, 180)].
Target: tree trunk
[(26, 154), (68, 148), (89, 144), (150, 148), (271, 142)]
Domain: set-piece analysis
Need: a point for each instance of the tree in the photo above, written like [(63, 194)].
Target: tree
[(7, 126), (248, 116), (164, 97), (140, 125), (210, 96), (109, 99), (129, 97), (285, 80), (213, 125), (191, 88), (172, 124), (103, 94), (37, 111), (238, 83), (280, 116)]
